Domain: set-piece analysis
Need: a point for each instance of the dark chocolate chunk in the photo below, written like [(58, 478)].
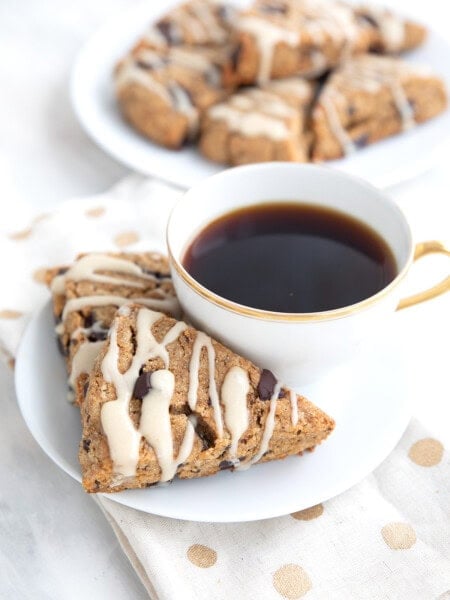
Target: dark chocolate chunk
[(369, 20), (98, 335), (266, 384), (226, 464), (235, 56), (361, 141), (205, 433), (282, 393), (143, 385), (61, 347), (86, 444), (85, 388), (274, 9), (156, 274), (62, 270), (167, 29), (88, 320)]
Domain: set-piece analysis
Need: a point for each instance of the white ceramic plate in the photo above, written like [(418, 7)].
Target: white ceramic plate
[(368, 399), (385, 163)]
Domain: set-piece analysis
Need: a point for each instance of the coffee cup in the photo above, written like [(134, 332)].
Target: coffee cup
[(298, 347)]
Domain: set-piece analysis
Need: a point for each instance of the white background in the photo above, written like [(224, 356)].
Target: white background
[(54, 542)]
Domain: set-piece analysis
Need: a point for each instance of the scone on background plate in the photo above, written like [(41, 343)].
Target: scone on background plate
[(370, 98), (166, 400), (87, 295), (258, 125), (280, 38), (162, 92)]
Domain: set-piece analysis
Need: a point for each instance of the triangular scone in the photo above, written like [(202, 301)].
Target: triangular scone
[(259, 124), (166, 400), (161, 93), (370, 98), (280, 38), (391, 33), (87, 295)]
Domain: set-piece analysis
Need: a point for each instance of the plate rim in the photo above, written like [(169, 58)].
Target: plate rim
[(377, 457)]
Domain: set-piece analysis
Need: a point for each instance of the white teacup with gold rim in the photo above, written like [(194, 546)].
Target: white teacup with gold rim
[(298, 347)]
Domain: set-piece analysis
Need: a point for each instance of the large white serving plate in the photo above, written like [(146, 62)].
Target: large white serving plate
[(385, 163), (369, 400)]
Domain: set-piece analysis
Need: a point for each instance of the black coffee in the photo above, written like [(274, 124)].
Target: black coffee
[(290, 258)]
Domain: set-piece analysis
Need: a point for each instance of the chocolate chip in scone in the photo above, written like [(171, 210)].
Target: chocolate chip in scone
[(62, 270), (361, 141), (235, 56), (85, 388), (61, 347), (226, 464), (274, 9), (143, 385), (86, 445), (369, 20), (156, 274), (88, 320), (98, 335), (282, 393), (169, 31), (205, 433), (266, 385)]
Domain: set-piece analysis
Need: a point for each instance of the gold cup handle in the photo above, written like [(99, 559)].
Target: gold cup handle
[(422, 249)]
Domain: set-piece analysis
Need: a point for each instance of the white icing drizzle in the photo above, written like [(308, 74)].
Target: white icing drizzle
[(155, 424), (129, 72), (84, 359), (170, 303), (294, 407), (86, 267), (123, 437), (267, 433), (255, 113), (294, 86), (233, 394), (337, 129), (204, 341), (267, 36), (391, 27)]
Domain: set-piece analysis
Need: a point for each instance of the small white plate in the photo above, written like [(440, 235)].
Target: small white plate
[(385, 163), (368, 399)]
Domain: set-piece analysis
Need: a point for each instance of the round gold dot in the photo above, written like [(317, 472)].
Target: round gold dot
[(40, 275), (95, 212), (427, 452), (291, 581), (202, 556), (399, 536), (10, 314), (126, 238), (11, 363), (308, 513), (18, 236)]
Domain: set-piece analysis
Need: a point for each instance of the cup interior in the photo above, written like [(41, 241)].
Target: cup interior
[(280, 182)]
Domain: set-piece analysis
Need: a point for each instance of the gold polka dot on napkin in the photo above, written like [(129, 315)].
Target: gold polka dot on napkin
[(291, 581), (399, 536), (427, 452), (202, 556), (308, 513)]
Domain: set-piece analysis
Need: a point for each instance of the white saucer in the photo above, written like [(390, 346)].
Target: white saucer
[(385, 163), (368, 399)]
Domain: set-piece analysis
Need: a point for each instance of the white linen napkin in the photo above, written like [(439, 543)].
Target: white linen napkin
[(386, 538)]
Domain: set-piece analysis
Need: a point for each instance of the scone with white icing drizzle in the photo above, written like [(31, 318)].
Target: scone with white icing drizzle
[(258, 125), (166, 400), (280, 38), (161, 93), (391, 33), (198, 22), (370, 98), (87, 295)]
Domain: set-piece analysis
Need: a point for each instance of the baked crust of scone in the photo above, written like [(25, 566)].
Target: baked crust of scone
[(218, 414)]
